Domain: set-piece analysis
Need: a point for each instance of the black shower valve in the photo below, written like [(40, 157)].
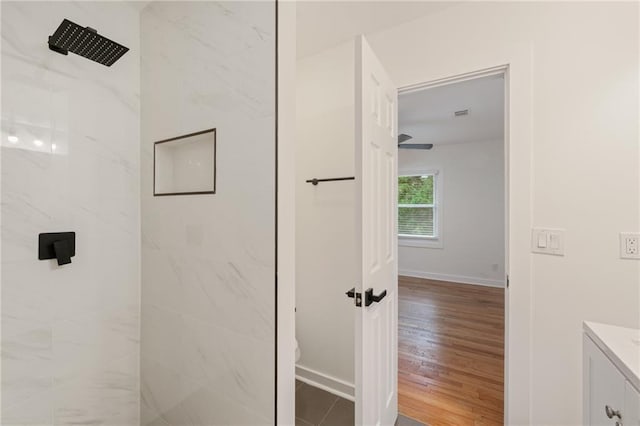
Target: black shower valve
[(57, 245)]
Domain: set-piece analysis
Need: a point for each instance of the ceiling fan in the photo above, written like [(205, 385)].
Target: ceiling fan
[(403, 137)]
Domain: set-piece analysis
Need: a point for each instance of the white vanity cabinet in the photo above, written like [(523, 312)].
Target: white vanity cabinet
[(611, 362), (631, 405)]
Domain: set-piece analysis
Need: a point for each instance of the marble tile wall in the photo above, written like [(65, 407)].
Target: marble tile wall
[(70, 162), (208, 261)]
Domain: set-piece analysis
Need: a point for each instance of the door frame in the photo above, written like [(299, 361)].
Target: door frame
[(502, 70), (284, 404)]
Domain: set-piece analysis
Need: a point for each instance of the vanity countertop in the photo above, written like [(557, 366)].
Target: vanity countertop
[(621, 345)]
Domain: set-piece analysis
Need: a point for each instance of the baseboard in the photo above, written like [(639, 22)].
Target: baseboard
[(452, 278), (326, 382)]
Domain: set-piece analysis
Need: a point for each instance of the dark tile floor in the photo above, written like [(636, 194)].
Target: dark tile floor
[(316, 407), (406, 421)]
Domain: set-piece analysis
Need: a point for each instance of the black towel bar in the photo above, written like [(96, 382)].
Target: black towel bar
[(316, 181)]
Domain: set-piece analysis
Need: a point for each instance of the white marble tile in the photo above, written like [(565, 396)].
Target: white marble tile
[(26, 303), (163, 389), (81, 346), (176, 403), (163, 335), (107, 396), (65, 325), (236, 363), (229, 292), (210, 405), (216, 64), (35, 410), (27, 365)]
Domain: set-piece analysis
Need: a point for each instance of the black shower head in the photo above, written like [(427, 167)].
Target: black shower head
[(71, 37)]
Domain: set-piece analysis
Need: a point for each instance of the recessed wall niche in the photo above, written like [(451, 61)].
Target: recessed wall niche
[(185, 165)]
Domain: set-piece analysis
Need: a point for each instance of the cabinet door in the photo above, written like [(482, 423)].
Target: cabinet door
[(604, 386), (631, 414)]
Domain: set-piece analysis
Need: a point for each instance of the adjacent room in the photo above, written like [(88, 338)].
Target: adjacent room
[(451, 255)]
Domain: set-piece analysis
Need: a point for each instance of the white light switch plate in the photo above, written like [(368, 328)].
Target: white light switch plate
[(547, 241), (630, 245)]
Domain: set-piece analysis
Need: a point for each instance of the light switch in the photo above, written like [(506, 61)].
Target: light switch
[(548, 241), (542, 239)]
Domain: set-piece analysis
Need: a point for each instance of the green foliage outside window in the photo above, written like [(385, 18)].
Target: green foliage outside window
[(415, 189), (415, 206)]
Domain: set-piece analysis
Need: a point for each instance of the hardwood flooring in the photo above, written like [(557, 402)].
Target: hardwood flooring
[(450, 352)]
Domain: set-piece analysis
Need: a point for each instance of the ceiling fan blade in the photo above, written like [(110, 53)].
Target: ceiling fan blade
[(416, 146), (403, 137)]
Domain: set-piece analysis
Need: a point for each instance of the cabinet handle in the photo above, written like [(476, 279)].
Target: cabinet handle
[(611, 413)]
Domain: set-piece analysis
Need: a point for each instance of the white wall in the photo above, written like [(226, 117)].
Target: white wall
[(574, 159), (70, 334), (471, 181), (325, 214), (208, 261)]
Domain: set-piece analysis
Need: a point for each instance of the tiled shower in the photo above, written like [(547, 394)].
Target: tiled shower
[(166, 315)]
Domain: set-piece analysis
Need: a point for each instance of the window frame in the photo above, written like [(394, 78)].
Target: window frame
[(435, 241)]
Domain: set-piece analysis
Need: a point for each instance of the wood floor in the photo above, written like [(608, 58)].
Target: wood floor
[(450, 352)]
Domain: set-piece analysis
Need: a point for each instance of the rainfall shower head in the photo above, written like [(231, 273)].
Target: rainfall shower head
[(71, 37)]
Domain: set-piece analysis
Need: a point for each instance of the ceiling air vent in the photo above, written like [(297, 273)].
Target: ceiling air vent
[(461, 112)]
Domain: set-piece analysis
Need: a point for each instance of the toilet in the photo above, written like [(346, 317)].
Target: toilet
[(297, 351)]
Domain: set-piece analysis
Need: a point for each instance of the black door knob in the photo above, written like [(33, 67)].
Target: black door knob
[(369, 297)]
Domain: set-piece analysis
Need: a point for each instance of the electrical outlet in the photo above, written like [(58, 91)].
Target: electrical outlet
[(629, 245)]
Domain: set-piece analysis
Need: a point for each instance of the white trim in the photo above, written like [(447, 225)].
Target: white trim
[(421, 242), (285, 377), (497, 70), (326, 382), (461, 279)]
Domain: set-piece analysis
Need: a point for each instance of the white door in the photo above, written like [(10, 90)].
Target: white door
[(376, 365)]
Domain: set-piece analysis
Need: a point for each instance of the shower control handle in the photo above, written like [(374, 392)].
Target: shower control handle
[(369, 297)]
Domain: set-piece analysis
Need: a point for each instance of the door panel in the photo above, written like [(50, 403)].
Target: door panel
[(376, 186)]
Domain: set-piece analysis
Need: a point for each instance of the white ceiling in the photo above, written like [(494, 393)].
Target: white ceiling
[(324, 24), (428, 115)]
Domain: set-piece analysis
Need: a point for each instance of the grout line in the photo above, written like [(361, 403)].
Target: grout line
[(328, 411), (298, 419)]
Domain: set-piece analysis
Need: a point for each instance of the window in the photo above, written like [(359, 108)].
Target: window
[(418, 215)]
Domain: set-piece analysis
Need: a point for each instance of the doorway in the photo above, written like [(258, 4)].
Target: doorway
[(452, 251), (324, 148)]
